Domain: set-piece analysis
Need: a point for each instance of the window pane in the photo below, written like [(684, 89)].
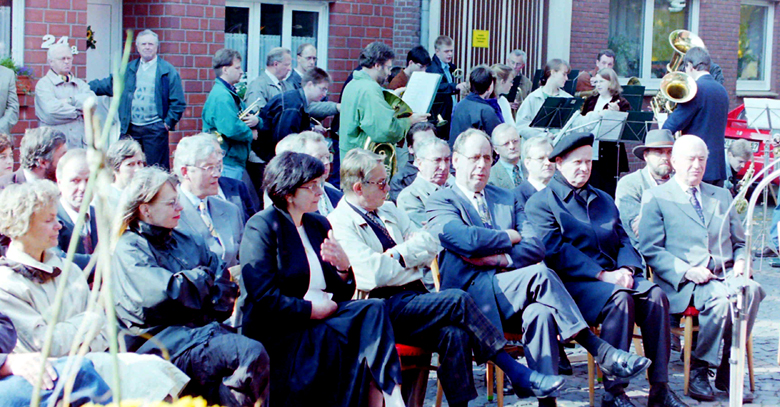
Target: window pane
[(669, 15), (304, 29), (270, 29), (237, 31), (625, 35), (752, 37), (6, 8)]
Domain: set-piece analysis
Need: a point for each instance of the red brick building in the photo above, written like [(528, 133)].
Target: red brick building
[(740, 34)]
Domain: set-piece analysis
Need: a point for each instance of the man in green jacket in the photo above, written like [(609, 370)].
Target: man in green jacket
[(220, 114), (364, 112)]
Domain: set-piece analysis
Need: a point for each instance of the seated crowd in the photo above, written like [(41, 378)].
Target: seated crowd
[(497, 231)]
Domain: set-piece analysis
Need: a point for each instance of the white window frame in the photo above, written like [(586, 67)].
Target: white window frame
[(766, 83), (653, 84), (17, 27), (255, 63)]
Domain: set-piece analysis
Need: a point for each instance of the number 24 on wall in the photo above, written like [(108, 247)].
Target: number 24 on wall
[(48, 41)]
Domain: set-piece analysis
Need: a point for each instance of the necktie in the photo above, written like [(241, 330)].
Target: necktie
[(378, 222), (86, 237), (482, 208), (207, 220), (518, 176), (696, 204), (448, 74)]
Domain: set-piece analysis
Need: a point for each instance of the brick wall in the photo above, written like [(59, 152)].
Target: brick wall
[(718, 27), (191, 32), (589, 32), (353, 25), (406, 28)]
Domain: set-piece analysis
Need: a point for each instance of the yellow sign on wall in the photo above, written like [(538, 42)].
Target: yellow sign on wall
[(480, 39)]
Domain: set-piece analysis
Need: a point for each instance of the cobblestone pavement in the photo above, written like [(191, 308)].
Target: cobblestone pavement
[(765, 352)]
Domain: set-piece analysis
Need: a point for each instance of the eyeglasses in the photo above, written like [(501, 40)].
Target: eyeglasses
[(172, 203), (380, 184), (313, 188), (210, 169)]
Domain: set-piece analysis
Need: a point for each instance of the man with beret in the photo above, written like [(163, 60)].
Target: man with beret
[(656, 153), (493, 253), (586, 245)]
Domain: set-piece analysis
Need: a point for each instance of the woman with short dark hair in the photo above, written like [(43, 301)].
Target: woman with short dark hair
[(330, 351), (124, 157), (172, 292)]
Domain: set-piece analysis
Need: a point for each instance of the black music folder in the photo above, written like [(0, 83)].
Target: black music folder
[(636, 127), (556, 112)]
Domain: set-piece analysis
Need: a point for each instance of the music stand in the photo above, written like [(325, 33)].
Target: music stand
[(571, 85), (634, 94), (556, 112)]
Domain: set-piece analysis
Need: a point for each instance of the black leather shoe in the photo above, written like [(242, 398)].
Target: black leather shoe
[(564, 365), (542, 385), (618, 401), (699, 387), (722, 383), (622, 364), (548, 402), (664, 397), (765, 252), (774, 262), (508, 388)]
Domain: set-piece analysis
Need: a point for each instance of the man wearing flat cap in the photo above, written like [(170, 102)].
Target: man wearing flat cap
[(656, 152), (586, 245)]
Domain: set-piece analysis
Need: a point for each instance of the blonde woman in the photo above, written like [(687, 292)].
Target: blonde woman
[(29, 275), (169, 286)]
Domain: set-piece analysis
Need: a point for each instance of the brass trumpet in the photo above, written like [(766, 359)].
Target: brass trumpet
[(387, 150), (254, 108)]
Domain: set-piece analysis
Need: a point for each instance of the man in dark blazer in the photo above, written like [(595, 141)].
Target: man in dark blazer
[(698, 258), (705, 115), (72, 178), (441, 63), (535, 152), (588, 248), (493, 253)]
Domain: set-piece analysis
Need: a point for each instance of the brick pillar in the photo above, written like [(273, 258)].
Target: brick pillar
[(589, 32)]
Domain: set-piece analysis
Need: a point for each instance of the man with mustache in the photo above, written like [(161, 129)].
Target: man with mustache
[(656, 153)]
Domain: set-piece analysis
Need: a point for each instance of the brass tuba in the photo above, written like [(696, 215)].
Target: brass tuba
[(387, 150), (676, 87), (740, 201)]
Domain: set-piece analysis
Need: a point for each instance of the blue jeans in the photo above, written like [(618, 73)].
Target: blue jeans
[(15, 391)]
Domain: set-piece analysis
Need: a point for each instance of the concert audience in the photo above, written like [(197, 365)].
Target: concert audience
[(329, 350), (30, 273), (171, 291), (475, 111), (693, 265), (656, 152), (306, 56), (389, 254), (555, 75), (152, 101), (612, 157), (39, 153), (492, 252), (417, 60), (507, 172), (60, 96), (535, 153), (586, 245), (271, 81), (432, 159)]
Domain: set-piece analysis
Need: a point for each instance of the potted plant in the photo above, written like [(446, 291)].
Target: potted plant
[(24, 76)]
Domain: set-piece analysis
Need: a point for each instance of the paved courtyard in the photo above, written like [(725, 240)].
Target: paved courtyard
[(765, 348)]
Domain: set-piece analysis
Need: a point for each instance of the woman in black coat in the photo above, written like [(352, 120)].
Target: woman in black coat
[(606, 97), (326, 350), (169, 286)]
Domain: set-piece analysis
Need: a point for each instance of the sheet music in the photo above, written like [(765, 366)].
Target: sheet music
[(421, 90)]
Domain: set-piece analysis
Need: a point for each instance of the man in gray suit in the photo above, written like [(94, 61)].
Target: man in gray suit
[(432, 158), (508, 171), (680, 238), (656, 153), (271, 82), (9, 102)]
